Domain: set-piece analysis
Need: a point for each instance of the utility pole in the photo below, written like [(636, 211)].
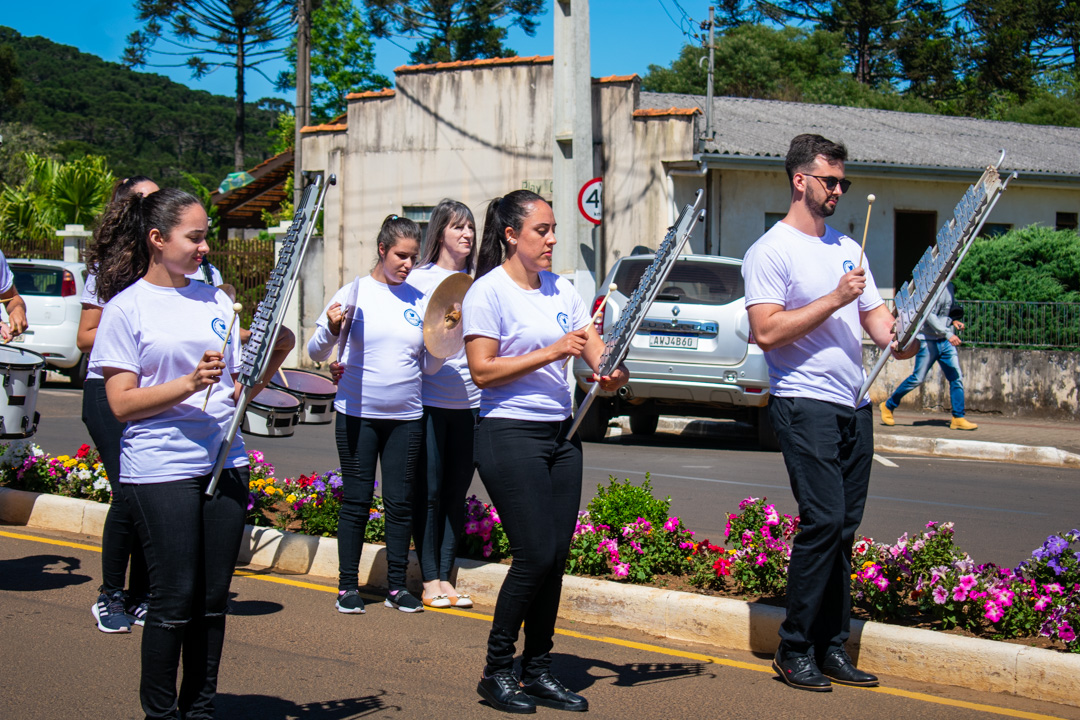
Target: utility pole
[(708, 135), (303, 90)]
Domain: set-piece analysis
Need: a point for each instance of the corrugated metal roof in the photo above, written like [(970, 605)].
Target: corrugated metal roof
[(749, 127)]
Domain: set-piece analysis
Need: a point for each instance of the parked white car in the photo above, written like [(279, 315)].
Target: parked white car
[(53, 290), (693, 355)]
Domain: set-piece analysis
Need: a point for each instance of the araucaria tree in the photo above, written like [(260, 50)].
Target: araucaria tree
[(212, 34), (450, 30)]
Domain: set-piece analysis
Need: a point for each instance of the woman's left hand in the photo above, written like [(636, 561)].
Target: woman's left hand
[(611, 383)]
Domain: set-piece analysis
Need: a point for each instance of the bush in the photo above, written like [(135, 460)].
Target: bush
[(620, 504), (1032, 264)]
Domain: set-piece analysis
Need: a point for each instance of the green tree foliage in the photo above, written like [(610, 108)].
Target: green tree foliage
[(212, 34), (20, 138), (1032, 264), (342, 60), (926, 52), (450, 30), (999, 48), (78, 104), (11, 86)]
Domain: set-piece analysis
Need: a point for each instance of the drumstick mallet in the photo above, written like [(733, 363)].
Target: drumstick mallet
[(599, 311), (866, 226), (237, 307)]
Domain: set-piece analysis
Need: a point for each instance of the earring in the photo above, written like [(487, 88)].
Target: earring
[(512, 242)]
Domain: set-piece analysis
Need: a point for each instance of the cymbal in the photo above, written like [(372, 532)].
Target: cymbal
[(443, 330)]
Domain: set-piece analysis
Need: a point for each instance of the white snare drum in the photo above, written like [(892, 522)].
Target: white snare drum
[(22, 372), (315, 391), (272, 413)]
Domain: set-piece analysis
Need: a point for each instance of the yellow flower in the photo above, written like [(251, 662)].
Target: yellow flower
[(853, 576), (290, 498), (867, 564), (63, 458)]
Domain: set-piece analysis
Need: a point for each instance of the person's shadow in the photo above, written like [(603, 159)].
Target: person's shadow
[(40, 572), (252, 607), (266, 707), (575, 673)]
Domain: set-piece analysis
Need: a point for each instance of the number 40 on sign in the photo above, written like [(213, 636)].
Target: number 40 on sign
[(590, 200)]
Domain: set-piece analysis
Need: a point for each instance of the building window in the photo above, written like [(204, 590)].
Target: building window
[(771, 219), (419, 214), (1066, 221), (995, 229)]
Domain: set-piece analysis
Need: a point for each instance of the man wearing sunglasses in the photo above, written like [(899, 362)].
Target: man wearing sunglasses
[(809, 302)]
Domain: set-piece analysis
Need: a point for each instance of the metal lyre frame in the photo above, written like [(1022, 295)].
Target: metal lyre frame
[(954, 239), (631, 316), (269, 316)]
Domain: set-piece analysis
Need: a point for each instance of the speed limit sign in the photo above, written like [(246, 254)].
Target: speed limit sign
[(590, 200)]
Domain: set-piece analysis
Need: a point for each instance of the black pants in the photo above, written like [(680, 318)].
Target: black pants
[(119, 539), (362, 443), (191, 542), (533, 475), (828, 450), (439, 510)]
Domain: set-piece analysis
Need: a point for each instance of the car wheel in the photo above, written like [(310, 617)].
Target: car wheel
[(77, 373), (767, 439), (643, 423), (593, 427)]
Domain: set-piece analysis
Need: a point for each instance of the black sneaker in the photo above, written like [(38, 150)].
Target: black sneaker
[(109, 613), (403, 601), (800, 671), (350, 602), (546, 690), (136, 611), (838, 667), (503, 691)]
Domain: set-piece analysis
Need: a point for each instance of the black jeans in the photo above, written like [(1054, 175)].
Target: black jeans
[(439, 510), (191, 542), (828, 450), (119, 539), (398, 445), (533, 475)]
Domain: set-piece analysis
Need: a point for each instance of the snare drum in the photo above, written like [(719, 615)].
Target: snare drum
[(271, 413), (315, 391), (22, 372)]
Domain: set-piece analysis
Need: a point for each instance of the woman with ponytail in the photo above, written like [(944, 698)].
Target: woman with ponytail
[(378, 407), (158, 349), (521, 322)]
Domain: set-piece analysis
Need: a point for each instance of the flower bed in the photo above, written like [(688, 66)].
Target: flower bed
[(626, 534)]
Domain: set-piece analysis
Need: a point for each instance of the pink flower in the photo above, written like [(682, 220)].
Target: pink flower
[(1042, 602), (761, 559), (771, 516), (882, 583), (1065, 632), (940, 595), (471, 527), (672, 524), (488, 549), (968, 581), (993, 611), (1053, 588), (621, 570), (959, 594), (871, 572), (685, 545)]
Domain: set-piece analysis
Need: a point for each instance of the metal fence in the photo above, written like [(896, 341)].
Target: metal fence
[(47, 249), (1036, 325), (245, 263)]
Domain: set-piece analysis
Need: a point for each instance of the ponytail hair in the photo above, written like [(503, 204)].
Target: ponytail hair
[(395, 228), (447, 213), (508, 211), (126, 187), (120, 254)]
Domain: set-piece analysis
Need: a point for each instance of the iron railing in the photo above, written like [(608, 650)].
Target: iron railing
[(1019, 325), (245, 263)]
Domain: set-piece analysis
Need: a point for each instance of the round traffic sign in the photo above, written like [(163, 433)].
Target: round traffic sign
[(590, 200)]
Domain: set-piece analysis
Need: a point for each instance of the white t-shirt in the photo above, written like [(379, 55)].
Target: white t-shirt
[(160, 334), (383, 351), (89, 297), (523, 321), (6, 278), (789, 268), (452, 386)]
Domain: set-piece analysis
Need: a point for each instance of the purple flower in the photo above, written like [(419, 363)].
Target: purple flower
[(1055, 545), (1065, 632), (1055, 566)]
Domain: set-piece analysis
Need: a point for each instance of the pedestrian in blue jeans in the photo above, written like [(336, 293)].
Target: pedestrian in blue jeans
[(939, 343)]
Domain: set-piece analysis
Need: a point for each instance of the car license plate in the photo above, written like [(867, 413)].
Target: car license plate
[(688, 342), (19, 338)]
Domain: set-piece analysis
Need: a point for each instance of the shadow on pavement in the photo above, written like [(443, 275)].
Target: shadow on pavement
[(265, 707), (252, 608), (36, 572), (574, 672)]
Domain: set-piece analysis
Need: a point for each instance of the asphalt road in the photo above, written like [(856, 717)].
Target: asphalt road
[(1002, 511), (289, 655)]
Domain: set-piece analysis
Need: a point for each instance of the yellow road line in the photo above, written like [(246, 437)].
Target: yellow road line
[(646, 647)]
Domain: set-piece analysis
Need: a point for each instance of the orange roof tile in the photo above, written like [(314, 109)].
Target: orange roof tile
[(483, 62), (656, 112), (371, 94), (325, 127), (617, 78)]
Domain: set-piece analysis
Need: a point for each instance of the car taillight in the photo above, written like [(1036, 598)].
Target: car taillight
[(67, 287), (599, 320)]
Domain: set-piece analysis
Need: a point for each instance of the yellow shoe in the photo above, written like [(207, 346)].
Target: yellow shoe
[(886, 415), (962, 424)]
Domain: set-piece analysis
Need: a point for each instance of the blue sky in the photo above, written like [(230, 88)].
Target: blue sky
[(627, 36)]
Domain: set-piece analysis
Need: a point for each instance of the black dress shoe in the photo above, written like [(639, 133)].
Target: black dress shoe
[(837, 666), (800, 671), (546, 690), (503, 691)]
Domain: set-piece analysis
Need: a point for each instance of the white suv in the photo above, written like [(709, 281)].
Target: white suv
[(693, 355), (52, 290)]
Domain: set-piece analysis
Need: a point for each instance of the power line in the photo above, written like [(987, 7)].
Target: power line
[(685, 23)]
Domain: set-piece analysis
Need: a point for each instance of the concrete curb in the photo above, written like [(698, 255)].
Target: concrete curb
[(903, 444), (920, 655)]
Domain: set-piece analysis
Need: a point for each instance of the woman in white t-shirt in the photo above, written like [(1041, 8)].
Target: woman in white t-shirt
[(521, 323), (115, 610), (451, 403), (159, 348), (378, 406)]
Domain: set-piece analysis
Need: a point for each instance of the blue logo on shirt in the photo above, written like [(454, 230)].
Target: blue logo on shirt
[(564, 321), (413, 317), (219, 327), (848, 266)]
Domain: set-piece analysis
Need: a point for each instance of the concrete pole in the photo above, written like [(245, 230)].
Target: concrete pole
[(303, 90), (572, 160)]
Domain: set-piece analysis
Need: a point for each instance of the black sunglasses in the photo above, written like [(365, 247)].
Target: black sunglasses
[(831, 182)]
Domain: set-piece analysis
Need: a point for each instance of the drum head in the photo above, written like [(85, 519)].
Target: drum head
[(303, 382), (17, 357), (270, 398)]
